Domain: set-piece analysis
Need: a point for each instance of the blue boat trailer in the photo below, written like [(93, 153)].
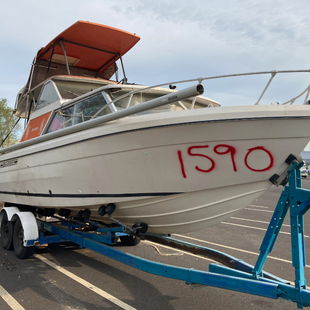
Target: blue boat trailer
[(228, 273)]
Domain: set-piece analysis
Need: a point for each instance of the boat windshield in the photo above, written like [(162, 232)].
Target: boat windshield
[(48, 95), (82, 111), (71, 90), (99, 104)]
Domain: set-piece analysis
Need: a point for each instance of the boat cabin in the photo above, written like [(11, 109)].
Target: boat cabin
[(64, 101)]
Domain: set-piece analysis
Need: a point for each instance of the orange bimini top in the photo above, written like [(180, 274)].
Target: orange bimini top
[(89, 45)]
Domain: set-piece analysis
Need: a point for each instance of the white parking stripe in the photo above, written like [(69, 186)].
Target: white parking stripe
[(258, 228), (259, 210), (86, 284), (256, 221), (235, 249), (10, 300), (258, 206)]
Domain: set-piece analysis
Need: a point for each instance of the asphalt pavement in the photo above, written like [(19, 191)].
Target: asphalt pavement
[(64, 276)]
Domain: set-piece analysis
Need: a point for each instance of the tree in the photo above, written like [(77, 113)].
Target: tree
[(7, 122)]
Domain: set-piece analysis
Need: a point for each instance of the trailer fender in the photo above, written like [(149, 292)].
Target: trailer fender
[(29, 223), (10, 211)]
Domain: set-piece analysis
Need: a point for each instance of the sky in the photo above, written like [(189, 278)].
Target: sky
[(179, 40)]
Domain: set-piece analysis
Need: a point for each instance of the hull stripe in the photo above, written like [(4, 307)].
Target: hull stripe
[(90, 195)]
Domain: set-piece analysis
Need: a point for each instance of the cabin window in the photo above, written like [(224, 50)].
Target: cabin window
[(82, 111), (48, 94)]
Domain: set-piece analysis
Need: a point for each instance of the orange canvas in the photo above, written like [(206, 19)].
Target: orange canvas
[(99, 37), (35, 127)]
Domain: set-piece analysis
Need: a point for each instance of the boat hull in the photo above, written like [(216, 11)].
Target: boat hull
[(180, 172)]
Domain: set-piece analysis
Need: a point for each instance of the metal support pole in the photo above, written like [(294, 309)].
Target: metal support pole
[(273, 74), (307, 95), (297, 211), (26, 111), (125, 78), (272, 233), (65, 55)]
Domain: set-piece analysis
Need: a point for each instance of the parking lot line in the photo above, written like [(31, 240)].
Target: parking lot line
[(257, 228), (259, 210), (256, 221), (8, 298), (83, 282), (258, 206)]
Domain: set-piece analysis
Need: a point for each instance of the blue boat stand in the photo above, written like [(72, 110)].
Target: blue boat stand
[(230, 273)]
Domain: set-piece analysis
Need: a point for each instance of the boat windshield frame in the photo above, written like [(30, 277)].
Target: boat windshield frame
[(59, 114)]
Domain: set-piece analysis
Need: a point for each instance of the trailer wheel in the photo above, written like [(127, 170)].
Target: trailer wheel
[(130, 240), (18, 241), (7, 228)]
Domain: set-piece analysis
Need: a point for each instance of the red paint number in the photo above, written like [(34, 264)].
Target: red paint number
[(262, 149), (229, 149), (189, 151), (223, 149), (182, 164)]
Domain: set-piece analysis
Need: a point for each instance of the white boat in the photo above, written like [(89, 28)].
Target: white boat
[(174, 160)]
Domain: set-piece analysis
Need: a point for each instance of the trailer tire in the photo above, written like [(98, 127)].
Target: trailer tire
[(18, 239), (7, 228), (130, 240)]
